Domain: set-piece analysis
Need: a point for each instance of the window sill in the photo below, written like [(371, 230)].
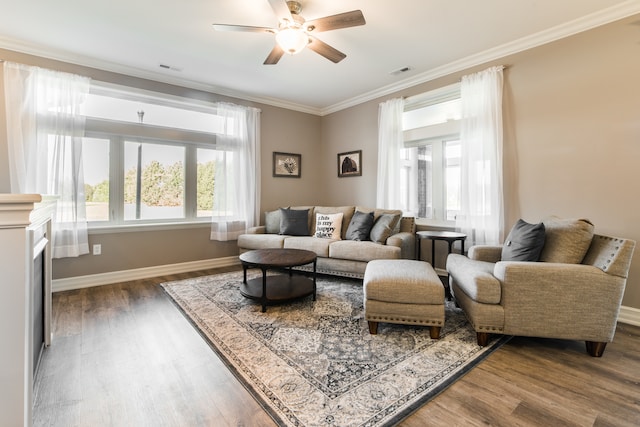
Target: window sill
[(132, 228)]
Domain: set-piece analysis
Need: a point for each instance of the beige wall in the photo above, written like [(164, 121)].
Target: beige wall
[(290, 132), (131, 250), (572, 145), (572, 134)]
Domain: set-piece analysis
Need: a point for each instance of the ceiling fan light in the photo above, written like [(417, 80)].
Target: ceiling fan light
[(292, 40)]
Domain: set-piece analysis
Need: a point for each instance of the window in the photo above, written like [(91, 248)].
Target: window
[(148, 159), (430, 179)]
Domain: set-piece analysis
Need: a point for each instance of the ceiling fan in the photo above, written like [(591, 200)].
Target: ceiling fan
[(294, 33)]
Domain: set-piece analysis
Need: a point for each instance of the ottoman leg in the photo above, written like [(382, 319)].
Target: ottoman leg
[(373, 327), (434, 331)]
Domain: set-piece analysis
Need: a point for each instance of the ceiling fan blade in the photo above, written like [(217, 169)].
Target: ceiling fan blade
[(274, 56), (281, 9), (334, 22), (243, 28), (320, 47)]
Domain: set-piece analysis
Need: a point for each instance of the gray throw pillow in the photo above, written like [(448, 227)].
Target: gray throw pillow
[(524, 242), (360, 226), (382, 228), (294, 222), (272, 222)]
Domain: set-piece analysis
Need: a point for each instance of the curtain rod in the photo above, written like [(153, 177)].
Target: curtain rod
[(443, 87)]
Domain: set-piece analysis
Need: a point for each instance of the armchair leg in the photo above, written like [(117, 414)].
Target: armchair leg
[(373, 327), (595, 349), (483, 338), (434, 332)]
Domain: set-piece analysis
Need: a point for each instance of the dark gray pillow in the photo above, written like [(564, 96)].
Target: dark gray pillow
[(383, 227), (360, 226), (524, 242), (294, 222)]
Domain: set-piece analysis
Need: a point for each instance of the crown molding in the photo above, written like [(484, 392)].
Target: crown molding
[(585, 23), (576, 26)]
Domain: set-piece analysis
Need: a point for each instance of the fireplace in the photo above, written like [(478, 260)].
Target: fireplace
[(39, 240), (25, 306)]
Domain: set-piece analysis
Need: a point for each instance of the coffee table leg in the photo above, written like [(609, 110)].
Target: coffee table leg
[(314, 279), (244, 270), (263, 300)]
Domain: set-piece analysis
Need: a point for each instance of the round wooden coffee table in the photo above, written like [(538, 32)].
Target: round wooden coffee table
[(277, 288)]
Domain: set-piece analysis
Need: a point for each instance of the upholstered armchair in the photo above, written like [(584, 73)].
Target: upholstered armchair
[(573, 291)]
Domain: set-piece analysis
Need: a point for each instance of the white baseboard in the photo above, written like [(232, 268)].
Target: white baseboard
[(629, 315), (100, 279)]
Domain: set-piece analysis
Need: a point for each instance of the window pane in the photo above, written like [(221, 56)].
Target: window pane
[(206, 173), (95, 162), (111, 108), (153, 181), (425, 182), (452, 179), (432, 114)]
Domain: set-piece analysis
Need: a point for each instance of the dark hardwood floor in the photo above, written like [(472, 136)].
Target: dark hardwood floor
[(123, 355)]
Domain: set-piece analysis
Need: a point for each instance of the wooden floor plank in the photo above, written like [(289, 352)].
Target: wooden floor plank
[(124, 355)]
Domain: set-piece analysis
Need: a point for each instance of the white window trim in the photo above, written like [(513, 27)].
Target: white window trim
[(436, 96)]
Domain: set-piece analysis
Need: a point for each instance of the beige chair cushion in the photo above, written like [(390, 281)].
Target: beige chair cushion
[(475, 278), (566, 240)]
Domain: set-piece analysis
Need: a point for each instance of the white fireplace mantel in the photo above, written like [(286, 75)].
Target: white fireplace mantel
[(20, 237), (16, 208)]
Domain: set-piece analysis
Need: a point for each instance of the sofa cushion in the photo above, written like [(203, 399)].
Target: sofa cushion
[(524, 242), (260, 241), (272, 222), (567, 240), (329, 226), (362, 251), (294, 222), (347, 213), (475, 278), (383, 227), (308, 243), (360, 226)]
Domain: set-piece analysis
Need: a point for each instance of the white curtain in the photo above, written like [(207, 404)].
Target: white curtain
[(44, 134), (481, 216), (236, 199), (390, 142)]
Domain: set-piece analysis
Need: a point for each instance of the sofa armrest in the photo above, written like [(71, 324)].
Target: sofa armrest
[(488, 253), (571, 301), (257, 230), (406, 241)]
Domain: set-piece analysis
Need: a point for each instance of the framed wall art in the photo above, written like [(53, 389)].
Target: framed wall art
[(286, 165), (350, 164)]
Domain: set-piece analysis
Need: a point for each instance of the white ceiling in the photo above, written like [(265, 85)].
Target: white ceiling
[(432, 37)]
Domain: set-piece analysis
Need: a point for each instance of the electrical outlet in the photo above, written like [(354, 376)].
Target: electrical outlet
[(97, 249)]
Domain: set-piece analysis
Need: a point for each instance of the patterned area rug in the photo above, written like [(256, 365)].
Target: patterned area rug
[(314, 363)]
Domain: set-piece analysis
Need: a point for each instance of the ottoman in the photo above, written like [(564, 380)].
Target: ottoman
[(403, 291)]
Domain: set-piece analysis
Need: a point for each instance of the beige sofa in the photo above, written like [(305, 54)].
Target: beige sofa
[(574, 292), (339, 255)]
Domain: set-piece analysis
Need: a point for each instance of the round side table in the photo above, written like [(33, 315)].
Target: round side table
[(448, 236)]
